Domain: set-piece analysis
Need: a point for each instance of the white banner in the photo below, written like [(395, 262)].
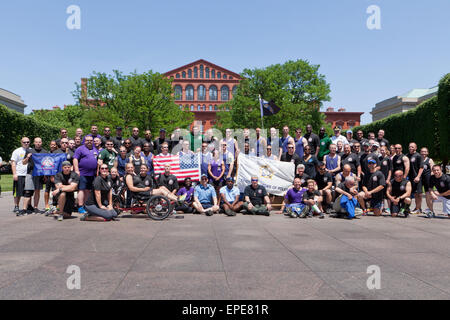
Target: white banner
[(275, 176)]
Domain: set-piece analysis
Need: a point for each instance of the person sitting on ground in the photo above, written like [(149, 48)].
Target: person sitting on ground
[(441, 182), (347, 203), (256, 199), (346, 172), (313, 200), (373, 185), (117, 182), (229, 196), (99, 205), (167, 180), (399, 194), (293, 200), (185, 197), (324, 182), (205, 197), (66, 183), (302, 175)]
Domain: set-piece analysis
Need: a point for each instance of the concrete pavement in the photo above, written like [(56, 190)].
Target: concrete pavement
[(220, 257)]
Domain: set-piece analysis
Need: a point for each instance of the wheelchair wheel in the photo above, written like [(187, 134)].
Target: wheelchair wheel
[(158, 208)]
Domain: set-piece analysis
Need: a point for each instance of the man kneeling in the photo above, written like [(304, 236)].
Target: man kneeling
[(399, 195), (66, 183), (346, 203)]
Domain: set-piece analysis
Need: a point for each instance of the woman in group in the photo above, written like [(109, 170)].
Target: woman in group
[(310, 162), (121, 161), (216, 170), (428, 164), (148, 158), (99, 205), (137, 159)]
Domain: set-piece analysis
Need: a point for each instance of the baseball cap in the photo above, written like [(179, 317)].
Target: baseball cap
[(118, 128), (365, 144), (349, 131), (66, 163), (162, 130), (204, 176), (372, 161), (230, 179), (376, 144)]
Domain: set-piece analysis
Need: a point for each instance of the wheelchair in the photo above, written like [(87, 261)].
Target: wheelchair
[(156, 207)]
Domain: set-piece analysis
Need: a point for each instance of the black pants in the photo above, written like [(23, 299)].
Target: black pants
[(185, 208)]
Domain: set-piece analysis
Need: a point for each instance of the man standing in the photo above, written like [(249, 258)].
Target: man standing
[(63, 134), (400, 161), (300, 142), (19, 165), (118, 139), (399, 194), (360, 137), (94, 134), (381, 140), (325, 142), (291, 156), (256, 199), (352, 160), (441, 182), (160, 140), (229, 196), (285, 140), (135, 140), (313, 140), (205, 197), (85, 165), (373, 185), (350, 138), (106, 136), (338, 137), (37, 181), (333, 161), (415, 176), (148, 139), (107, 156)]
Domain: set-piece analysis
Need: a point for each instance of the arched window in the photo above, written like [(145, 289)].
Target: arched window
[(216, 108), (210, 108), (195, 72), (189, 92), (184, 74), (181, 107), (207, 73), (204, 107), (178, 93), (201, 71), (224, 93), (199, 108), (234, 90), (201, 92), (219, 75), (190, 74), (213, 74), (213, 93), (178, 76), (192, 107), (224, 76)]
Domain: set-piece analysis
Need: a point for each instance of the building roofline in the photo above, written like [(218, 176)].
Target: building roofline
[(205, 62)]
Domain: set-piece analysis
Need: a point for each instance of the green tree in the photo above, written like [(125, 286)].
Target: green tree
[(142, 100), (295, 86)]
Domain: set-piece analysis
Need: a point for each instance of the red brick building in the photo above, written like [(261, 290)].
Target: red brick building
[(343, 119), (201, 87)]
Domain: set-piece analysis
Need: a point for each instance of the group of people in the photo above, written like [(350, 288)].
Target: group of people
[(342, 174)]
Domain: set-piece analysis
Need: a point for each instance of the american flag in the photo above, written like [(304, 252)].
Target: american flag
[(184, 166)]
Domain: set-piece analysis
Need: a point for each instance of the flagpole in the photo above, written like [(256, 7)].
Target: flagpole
[(260, 108)]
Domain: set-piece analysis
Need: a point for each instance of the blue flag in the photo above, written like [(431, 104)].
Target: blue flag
[(48, 164), (268, 108)]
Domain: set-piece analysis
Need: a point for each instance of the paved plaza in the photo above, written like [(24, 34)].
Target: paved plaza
[(220, 257)]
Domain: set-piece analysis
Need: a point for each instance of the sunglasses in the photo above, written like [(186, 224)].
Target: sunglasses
[(254, 180), (26, 142), (104, 168)]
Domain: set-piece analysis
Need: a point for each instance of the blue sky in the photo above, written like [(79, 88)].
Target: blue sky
[(40, 59)]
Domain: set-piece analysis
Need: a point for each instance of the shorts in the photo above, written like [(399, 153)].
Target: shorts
[(70, 202), (19, 186), (207, 205), (49, 185), (396, 208), (416, 187), (86, 183), (376, 203), (38, 183), (445, 204), (426, 183), (29, 184)]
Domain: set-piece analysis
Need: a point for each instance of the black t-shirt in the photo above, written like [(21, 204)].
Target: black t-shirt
[(294, 158), (415, 163), (304, 179), (323, 180), (103, 185), (67, 180), (310, 166), (170, 182), (310, 195), (386, 166), (256, 195), (116, 183), (118, 142), (136, 141), (142, 182), (365, 162), (374, 180), (313, 141), (383, 142), (342, 186), (398, 188), (352, 160), (104, 139), (397, 163), (157, 144), (442, 184), (426, 168)]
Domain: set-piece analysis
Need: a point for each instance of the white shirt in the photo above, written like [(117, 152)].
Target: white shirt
[(18, 156), (335, 139)]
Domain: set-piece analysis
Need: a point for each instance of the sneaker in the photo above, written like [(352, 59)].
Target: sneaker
[(230, 213), (416, 211), (304, 212), (37, 211), (321, 215), (358, 212), (328, 210), (430, 214), (81, 210), (288, 212), (58, 217), (20, 213), (83, 218), (209, 212), (293, 214), (16, 209)]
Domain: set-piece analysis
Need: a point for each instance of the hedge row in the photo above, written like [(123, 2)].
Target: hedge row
[(426, 125), (14, 126)]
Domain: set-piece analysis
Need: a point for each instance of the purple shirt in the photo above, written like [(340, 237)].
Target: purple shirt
[(295, 196), (188, 194), (87, 161)]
